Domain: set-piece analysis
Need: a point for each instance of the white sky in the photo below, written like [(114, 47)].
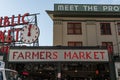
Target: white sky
[(15, 7)]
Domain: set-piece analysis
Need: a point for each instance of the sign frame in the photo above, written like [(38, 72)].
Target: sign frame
[(87, 7), (61, 54)]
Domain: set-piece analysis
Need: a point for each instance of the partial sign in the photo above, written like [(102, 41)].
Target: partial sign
[(87, 7)]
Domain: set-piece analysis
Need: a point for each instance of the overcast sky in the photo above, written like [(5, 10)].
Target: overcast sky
[(15, 7)]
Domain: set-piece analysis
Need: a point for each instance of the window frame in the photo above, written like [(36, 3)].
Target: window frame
[(74, 28), (105, 29), (107, 44), (118, 28), (75, 43)]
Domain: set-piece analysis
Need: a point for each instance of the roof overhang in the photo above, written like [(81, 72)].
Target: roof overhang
[(53, 14)]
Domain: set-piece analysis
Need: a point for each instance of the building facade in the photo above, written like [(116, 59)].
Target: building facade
[(87, 25)]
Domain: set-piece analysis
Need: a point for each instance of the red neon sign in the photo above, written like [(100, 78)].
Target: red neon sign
[(4, 49), (12, 21), (6, 21), (8, 38)]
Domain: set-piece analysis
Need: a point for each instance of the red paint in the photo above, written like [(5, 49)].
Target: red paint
[(35, 55), (8, 38), (96, 55), (4, 49), (6, 21), (88, 55), (19, 18), (56, 55), (83, 55), (17, 33), (23, 18), (14, 20), (110, 49), (102, 55), (97, 72), (41, 55), (2, 38), (14, 54), (1, 21), (28, 55), (25, 73), (21, 56)]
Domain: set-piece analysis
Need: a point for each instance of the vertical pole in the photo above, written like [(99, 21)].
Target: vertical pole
[(5, 59), (116, 35), (59, 71), (112, 67), (37, 41)]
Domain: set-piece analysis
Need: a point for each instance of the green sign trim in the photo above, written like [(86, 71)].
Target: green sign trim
[(86, 7)]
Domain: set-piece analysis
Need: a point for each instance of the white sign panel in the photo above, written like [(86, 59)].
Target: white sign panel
[(1, 58), (42, 55)]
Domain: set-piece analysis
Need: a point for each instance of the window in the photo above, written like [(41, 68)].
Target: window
[(74, 28), (74, 43), (107, 44), (105, 28), (118, 26)]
